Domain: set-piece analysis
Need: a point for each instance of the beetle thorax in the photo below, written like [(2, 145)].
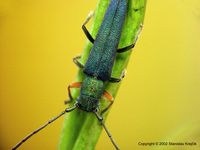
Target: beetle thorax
[(91, 91)]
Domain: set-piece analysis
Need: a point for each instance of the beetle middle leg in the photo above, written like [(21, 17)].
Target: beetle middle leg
[(81, 66), (115, 80)]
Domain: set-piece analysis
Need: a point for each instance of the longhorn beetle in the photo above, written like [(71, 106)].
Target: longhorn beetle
[(98, 67)]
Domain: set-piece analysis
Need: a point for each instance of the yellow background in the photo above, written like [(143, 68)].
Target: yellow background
[(158, 96)]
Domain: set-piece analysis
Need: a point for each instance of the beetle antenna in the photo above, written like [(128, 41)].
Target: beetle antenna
[(48, 122), (109, 134)]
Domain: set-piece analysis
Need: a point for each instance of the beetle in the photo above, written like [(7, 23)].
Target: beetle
[(98, 67)]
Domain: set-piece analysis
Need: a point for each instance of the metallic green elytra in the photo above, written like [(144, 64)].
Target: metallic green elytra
[(102, 55)]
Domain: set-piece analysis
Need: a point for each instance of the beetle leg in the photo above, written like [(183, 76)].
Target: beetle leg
[(78, 62), (109, 97), (114, 80), (121, 50), (88, 35), (72, 85)]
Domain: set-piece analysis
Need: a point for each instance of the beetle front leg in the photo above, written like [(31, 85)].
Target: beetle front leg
[(72, 85), (109, 97)]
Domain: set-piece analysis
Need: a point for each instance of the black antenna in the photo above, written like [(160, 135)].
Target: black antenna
[(109, 134), (48, 122)]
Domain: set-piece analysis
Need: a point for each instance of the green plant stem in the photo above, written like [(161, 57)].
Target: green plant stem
[(81, 130)]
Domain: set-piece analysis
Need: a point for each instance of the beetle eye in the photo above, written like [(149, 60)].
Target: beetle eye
[(94, 109), (78, 105)]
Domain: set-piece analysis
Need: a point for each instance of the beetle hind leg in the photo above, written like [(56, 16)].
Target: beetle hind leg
[(121, 50), (88, 35)]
